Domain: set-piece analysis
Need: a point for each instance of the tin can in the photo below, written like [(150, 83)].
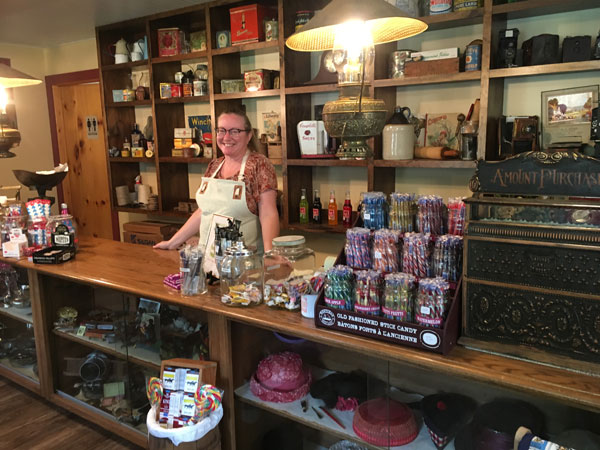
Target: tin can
[(302, 17), (396, 63), (271, 30), (200, 87), (176, 90), (473, 57), (440, 6), (464, 5)]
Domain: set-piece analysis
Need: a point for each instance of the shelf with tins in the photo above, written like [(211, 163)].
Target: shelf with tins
[(131, 159), (296, 96)]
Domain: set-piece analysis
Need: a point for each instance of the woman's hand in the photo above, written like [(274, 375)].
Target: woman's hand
[(163, 245)]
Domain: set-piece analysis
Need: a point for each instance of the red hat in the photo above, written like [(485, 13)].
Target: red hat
[(385, 422), (281, 378)]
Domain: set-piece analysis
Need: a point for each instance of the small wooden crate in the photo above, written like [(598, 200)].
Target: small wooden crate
[(274, 152), (423, 68)]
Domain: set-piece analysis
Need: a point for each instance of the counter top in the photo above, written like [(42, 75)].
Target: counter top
[(140, 270)]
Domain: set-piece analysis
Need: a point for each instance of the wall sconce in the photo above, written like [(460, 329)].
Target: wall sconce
[(351, 28), (9, 135)]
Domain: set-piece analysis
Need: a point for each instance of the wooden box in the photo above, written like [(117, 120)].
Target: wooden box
[(424, 68), (274, 152)]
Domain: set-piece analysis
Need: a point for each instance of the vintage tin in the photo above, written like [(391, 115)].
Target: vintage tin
[(271, 30), (165, 90), (200, 87), (440, 6), (169, 41), (257, 80), (473, 57), (247, 23), (231, 86), (176, 90), (302, 18), (223, 39), (464, 5)]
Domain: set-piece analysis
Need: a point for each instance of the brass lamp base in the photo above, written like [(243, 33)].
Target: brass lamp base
[(354, 148)]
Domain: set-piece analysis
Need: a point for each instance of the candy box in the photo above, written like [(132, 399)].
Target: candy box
[(247, 23), (54, 255), (258, 80)]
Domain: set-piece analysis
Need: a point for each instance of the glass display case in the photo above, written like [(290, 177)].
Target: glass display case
[(107, 345), (17, 340)]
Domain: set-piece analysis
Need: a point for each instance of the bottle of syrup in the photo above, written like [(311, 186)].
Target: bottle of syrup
[(347, 211), (316, 208), (332, 210), (303, 207)]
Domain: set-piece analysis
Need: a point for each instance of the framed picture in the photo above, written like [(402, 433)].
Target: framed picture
[(567, 116)]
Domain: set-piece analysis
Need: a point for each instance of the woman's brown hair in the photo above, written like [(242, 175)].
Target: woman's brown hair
[(241, 112)]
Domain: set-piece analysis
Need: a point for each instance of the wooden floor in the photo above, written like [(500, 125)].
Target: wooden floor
[(29, 422)]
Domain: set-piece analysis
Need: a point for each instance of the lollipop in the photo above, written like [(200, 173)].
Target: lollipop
[(207, 399), (154, 391)]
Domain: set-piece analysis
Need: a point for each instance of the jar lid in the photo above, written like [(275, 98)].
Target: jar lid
[(288, 241), (238, 249)]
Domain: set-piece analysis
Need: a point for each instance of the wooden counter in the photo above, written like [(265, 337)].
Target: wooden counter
[(139, 270)]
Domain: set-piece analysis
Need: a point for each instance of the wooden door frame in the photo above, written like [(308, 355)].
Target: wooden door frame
[(67, 79)]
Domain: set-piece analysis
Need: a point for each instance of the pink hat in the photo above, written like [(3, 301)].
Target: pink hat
[(281, 378), (385, 422)]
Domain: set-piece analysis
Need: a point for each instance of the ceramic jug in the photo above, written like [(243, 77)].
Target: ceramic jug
[(121, 51), (399, 135)]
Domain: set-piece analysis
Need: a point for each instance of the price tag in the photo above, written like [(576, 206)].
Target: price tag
[(81, 330), (425, 310), (377, 254), (366, 216)]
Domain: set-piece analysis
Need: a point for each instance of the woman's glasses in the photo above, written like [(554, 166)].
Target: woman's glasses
[(233, 132)]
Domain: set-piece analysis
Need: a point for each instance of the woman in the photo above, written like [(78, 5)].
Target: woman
[(241, 184)]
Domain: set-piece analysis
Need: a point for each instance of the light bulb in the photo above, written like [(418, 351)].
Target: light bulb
[(352, 49)]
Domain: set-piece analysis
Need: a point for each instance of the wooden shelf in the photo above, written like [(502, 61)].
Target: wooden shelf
[(135, 210), (453, 19), (534, 8), (178, 159), (316, 228), (127, 65), (193, 99), (256, 94), (255, 46), (311, 89), (181, 57), (429, 79), (20, 314), (129, 104), (131, 160), (546, 69), (293, 411), (328, 162), (427, 163), (143, 357), (24, 376)]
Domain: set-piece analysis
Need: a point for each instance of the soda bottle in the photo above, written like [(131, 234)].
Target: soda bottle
[(316, 208), (303, 207), (332, 210), (347, 211)]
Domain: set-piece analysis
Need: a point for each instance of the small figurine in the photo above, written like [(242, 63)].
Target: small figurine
[(66, 317)]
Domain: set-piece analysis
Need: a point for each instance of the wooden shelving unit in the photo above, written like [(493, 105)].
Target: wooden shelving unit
[(295, 94)]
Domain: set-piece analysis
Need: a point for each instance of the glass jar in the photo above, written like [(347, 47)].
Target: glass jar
[(36, 233), (61, 231), (13, 226), (241, 276), (289, 267)]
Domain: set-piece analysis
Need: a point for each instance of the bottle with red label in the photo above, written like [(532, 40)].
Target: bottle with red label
[(347, 211), (332, 217), (303, 207), (316, 208)]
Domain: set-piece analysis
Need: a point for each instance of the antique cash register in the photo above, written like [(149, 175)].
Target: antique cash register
[(531, 284)]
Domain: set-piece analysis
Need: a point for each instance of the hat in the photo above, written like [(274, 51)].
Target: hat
[(385, 422), (495, 424), (445, 414), (281, 378)]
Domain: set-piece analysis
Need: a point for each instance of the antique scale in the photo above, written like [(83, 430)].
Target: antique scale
[(531, 283)]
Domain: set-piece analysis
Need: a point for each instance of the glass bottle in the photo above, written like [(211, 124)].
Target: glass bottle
[(347, 211), (303, 207), (126, 151), (316, 208), (332, 216)]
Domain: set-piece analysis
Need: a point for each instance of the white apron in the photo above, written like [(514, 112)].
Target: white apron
[(227, 198)]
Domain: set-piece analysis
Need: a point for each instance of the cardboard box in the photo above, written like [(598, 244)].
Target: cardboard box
[(247, 23), (424, 68), (53, 255), (133, 237), (184, 133), (148, 226), (182, 142), (431, 55), (169, 41), (258, 80)]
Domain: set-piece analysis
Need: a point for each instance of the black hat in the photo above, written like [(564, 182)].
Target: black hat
[(445, 414)]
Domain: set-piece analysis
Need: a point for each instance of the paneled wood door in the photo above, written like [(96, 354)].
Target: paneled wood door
[(80, 134)]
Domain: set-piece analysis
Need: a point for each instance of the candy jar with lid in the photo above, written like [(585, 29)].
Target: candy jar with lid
[(241, 276), (289, 267)]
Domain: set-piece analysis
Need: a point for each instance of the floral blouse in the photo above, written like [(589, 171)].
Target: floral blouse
[(259, 176)]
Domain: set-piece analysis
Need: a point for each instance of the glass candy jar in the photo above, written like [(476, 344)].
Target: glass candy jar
[(241, 276), (289, 267), (61, 231), (36, 233)]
